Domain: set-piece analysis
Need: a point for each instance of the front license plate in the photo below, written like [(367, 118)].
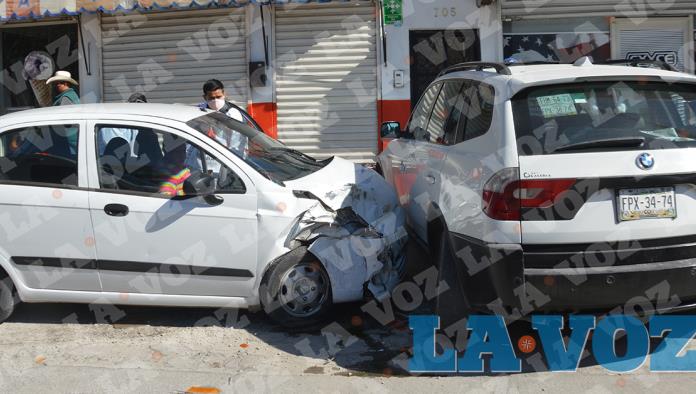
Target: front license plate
[(649, 203)]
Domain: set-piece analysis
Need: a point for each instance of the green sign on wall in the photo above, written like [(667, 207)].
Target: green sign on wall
[(393, 12)]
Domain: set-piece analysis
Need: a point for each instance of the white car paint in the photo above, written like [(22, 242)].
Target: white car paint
[(501, 259), (247, 232), (365, 193), (467, 166)]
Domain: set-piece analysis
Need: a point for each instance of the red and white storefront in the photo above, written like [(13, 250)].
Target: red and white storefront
[(329, 81)]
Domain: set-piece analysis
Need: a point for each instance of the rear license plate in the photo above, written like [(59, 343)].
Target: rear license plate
[(648, 203)]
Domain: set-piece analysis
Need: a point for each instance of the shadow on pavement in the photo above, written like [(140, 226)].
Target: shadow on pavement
[(353, 339)]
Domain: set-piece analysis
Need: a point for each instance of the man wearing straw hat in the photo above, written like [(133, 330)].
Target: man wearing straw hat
[(65, 94)]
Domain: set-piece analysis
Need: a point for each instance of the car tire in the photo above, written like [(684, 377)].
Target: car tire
[(296, 291), (7, 297)]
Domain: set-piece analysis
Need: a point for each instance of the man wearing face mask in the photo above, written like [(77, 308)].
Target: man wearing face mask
[(214, 95)]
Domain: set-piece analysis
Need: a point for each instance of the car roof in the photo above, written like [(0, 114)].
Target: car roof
[(523, 76), (177, 112)]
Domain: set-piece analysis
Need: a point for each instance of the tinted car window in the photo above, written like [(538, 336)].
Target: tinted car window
[(156, 162), (454, 129), (40, 154), (606, 115), (421, 115), (439, 123), (478, 105)]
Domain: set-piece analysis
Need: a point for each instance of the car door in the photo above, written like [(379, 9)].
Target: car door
[(406, 166), (152, 242), (439, 134), (45, 226), (469, 156), (429, 152)]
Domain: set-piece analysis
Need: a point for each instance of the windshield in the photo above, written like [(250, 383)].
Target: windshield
[(268, 156), (600, 116)]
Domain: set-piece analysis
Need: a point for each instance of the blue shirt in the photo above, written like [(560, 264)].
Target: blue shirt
[(106, 134)]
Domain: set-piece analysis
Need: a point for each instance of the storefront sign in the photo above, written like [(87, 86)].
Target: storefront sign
[(393, 12), (669, 57)]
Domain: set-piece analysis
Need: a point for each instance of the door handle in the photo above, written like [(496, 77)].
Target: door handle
[(116, 210), (430, 179)]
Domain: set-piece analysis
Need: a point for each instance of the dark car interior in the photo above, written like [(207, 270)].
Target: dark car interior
[(46, 154)]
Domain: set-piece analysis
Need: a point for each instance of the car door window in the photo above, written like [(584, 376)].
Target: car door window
[(40, 154), (440, 123), (456, 123), (140, 159), (478, 105), (420, 117)]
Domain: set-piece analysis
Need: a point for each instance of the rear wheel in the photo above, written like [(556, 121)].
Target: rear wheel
[(296, 291), (7, 297), (451, 305)]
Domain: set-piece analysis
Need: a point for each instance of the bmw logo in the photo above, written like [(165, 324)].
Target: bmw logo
[(645, 161)]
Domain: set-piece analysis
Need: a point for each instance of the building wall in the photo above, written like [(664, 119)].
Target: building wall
[(395, 103), (525, 9), (562, 39), (90, 59), (565, 38), (262, 101)]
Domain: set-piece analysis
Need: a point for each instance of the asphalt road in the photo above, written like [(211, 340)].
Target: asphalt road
[(74, 348), (63, 348)]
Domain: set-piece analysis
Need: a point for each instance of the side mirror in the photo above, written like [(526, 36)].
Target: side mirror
[(199, 184), (203, 185), (390, 129), (213, 199)]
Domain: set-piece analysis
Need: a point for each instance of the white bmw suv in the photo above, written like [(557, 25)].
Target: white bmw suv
[(553, 186)]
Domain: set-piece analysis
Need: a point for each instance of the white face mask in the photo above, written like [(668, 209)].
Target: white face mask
[(216, 104)]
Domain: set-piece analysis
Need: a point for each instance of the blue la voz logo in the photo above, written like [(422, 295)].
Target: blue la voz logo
[(489, 335)]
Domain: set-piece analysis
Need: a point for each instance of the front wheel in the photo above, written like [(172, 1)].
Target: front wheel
[(296, 291), (7, 298)]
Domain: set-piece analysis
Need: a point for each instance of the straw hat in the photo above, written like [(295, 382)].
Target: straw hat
[(62, 76)]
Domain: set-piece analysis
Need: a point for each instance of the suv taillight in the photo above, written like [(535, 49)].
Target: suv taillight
[(499, 201), (504, 195)]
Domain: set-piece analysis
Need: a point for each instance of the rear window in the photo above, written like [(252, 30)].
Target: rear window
[(601, 116), (41, 155)]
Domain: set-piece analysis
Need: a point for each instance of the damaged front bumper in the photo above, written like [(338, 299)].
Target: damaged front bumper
[(357, 254)]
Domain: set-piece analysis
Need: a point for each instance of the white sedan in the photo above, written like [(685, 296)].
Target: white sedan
[(152, 204)]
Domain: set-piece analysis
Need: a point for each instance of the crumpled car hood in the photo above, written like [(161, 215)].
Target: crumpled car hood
[(356, 228), (345, 184)]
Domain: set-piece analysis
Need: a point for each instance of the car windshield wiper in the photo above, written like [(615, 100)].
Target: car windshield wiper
[(296, 153), (630, 142)]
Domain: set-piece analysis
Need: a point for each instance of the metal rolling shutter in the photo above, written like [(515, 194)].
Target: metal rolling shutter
[(169, 55), (537, 9), (666, 39), (651, 41), (326, 79)]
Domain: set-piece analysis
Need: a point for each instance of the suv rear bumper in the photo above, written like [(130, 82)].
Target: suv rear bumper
[(641, 276)]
